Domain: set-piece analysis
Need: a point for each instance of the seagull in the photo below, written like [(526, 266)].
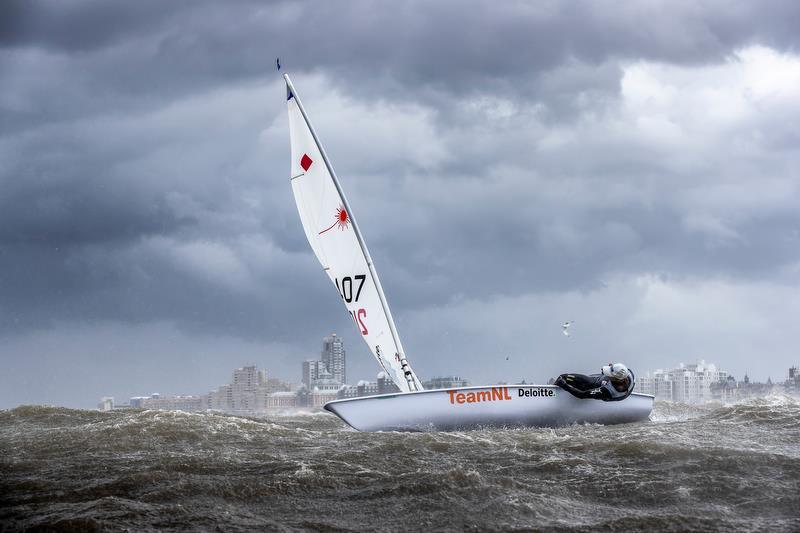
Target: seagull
[(565, 327)]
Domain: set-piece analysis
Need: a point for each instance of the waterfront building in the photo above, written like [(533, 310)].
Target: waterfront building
[(246, 381), (330, 368), (367, 388), (686, 383), (446, 382), (174, 403), (692, 383), (276, 385), (383, 385), (657, 383), (749, 389), (136, 401), (281, 400), (320, 394), (726, 390), (348, 391), (792, 384), (313, 371), (386, 385), (250, 391), (318, 398), (265, 393), (333, 356), (221, 399), (248, 378), (106, 403), (363, 388)]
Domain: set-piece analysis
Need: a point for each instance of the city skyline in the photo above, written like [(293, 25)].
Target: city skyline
[(188, 389), (252, 392), (166, 388), (252, 388)]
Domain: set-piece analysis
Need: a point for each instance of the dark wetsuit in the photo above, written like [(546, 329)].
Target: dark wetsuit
[(596, 386)]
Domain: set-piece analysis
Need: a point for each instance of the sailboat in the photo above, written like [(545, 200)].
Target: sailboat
[(338, 244)]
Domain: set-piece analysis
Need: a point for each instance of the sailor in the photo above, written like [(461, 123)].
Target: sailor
[(614, 383)]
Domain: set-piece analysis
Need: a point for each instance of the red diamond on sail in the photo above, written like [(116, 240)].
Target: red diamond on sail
[(305, 162)]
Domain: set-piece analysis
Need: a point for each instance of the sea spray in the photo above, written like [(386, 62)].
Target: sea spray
[(712, 467)]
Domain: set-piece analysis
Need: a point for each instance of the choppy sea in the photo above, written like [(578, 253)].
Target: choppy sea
[(703, 468)]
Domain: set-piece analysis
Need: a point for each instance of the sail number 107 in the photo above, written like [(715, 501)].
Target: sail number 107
[(346, 291), (346, 287)]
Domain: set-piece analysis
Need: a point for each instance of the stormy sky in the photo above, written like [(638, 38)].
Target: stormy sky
[(629, 166)]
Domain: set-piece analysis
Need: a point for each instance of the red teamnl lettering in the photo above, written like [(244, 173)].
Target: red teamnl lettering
[(496, 394)]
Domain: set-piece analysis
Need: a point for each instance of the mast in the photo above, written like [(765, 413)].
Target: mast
[(413, 382)]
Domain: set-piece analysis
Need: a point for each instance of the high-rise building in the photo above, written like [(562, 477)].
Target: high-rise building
[(333, 356), (686, 383), (106, 403), (313, 371), (657, 383), (246, 381), (221, 399), (248, 378)]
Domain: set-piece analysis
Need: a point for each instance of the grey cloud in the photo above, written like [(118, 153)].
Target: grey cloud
[(80, 26), (399, 51)]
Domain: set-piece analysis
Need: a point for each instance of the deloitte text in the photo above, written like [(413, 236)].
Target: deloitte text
[(541, 391)]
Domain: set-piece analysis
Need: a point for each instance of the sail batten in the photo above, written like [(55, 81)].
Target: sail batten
[(338, 244)]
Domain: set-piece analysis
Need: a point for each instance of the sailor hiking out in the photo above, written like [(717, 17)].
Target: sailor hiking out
[(614, 383)]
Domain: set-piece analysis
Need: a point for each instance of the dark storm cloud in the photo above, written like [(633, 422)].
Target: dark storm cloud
[(491, 154), (414, 49), (80, 26)]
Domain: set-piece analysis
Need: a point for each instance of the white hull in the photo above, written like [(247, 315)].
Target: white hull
[(487, 406)]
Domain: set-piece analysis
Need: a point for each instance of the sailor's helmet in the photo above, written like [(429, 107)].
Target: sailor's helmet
[(616, 371)]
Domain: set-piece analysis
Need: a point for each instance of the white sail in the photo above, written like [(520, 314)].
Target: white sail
[(337, 242)]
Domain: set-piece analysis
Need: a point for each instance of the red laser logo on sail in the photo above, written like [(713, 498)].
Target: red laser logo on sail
[(340, 219)]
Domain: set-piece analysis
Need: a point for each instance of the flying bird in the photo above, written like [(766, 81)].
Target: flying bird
[(565, 327), (278, 62)]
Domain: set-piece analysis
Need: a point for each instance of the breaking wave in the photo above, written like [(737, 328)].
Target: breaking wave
[(713, 467)]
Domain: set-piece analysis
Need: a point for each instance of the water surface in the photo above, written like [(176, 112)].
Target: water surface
[(709, 468)]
